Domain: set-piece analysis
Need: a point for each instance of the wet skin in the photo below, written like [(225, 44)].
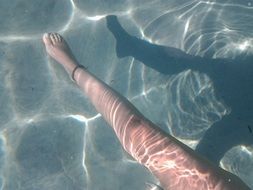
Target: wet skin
[(175, 165)]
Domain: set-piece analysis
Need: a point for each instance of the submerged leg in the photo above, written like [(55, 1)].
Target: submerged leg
[(176, 166)]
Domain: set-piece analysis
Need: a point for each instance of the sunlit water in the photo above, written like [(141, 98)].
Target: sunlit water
[(51, 136)]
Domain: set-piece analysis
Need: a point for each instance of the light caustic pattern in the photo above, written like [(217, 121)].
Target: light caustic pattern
[(51, 136)]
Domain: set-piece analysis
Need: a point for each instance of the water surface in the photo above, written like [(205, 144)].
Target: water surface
[(52, 138)]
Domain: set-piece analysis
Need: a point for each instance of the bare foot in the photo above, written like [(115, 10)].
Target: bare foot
[(59, 50)]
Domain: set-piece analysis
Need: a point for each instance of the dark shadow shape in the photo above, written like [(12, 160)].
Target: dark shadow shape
[(232, 79)]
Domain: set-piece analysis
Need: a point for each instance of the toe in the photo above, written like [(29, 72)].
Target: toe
[(47, 39), (53, 38), (59, 38)]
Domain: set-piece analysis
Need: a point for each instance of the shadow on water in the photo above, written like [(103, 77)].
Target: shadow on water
[(232, 80)]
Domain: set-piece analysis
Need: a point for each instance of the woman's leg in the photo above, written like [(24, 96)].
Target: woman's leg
[(173, 163)]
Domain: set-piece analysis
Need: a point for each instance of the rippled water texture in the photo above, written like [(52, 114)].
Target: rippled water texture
[(52, 138)]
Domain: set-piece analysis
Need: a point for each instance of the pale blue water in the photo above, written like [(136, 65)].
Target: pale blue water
[(52, 138)]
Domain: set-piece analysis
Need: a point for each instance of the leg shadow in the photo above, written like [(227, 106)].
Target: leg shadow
[(232, 79)]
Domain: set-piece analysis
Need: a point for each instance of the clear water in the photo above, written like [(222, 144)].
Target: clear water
[(52, 138)]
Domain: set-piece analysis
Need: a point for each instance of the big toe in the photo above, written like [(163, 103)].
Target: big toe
[(47, 39)]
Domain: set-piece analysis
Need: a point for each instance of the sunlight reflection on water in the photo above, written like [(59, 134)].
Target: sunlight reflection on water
[(40, 105)]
